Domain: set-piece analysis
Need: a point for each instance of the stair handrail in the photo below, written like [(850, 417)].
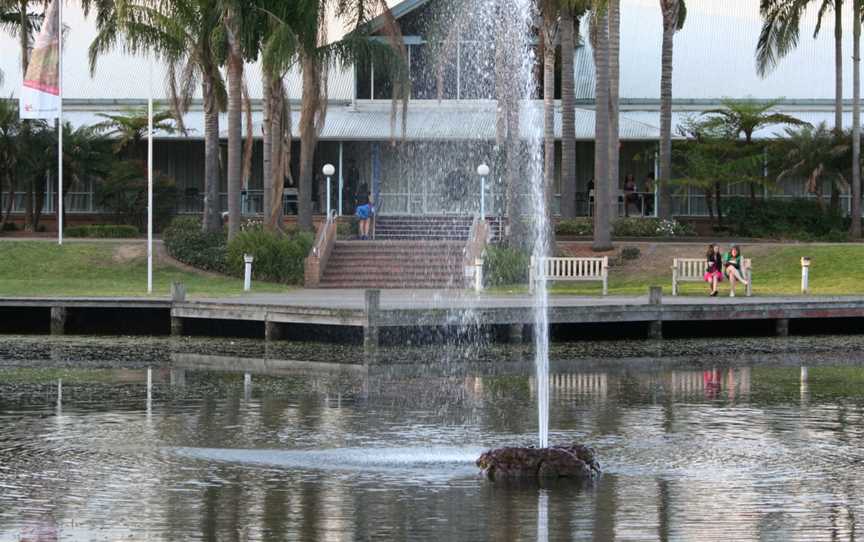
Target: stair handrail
[(317, 260), (377, 206)]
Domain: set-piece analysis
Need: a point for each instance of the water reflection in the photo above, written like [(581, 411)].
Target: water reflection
[(260, 449)]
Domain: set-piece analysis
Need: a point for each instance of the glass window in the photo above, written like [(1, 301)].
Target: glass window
[(477, 70)]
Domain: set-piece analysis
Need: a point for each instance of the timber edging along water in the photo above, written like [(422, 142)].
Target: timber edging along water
[(280, 320)]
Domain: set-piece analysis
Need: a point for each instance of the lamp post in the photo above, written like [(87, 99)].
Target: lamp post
[(483, 171), (328, 171)]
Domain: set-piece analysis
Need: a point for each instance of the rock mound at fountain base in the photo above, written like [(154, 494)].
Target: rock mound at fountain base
[(574, 461)]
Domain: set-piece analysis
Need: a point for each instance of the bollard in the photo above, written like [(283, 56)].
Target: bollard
[(805, 275), (178, 292), (247, 273), (478, 275)]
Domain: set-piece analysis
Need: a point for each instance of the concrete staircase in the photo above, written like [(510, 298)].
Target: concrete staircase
[(430, 228), (395, 264), (422, 228)]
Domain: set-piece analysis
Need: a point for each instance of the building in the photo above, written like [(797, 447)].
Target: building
[(429, 169)]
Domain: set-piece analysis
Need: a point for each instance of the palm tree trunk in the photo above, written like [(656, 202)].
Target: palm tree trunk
[(568, 115), (212, 221), (614, 80), (267, 180), (855, 228), (550, 23), (280, 157), (670, 19), (602, 220), (308, 139), (838, 89), (235, 139)]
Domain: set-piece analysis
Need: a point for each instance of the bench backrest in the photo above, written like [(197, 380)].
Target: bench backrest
[(563, 268), (690, 268)]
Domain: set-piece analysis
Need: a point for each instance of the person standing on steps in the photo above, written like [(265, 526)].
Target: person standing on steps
[(732, 264), (714, 268), (365, 212)]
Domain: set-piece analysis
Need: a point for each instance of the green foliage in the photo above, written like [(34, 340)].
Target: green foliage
[(347, 230), (628, 227), (277, 257), (123, 193), (504, 266), (9, 226), (790, 219), (650, 227), (106, 231), (187, 243), (583, 227)]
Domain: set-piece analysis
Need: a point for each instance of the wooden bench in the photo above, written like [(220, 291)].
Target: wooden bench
[(693, 270), (570, 269)]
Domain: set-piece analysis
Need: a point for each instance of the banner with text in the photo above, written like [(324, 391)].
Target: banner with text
[(40, 92)]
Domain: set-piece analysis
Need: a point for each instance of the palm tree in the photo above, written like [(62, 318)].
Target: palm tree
[(303, 39), (781, 22), (743, 117), (815, 155), (129, 130), (571, 12), (16, 18), (602, 183), (549, 11), (614, 82), (855, 227), (279, 47), (674, 13), (185, 35), (243, 25)]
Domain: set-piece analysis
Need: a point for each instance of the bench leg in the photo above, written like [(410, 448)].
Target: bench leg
[(674, 283)]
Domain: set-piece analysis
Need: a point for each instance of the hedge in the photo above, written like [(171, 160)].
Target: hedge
[(797, 219), (107, 231), (187, 243), (627, 227)]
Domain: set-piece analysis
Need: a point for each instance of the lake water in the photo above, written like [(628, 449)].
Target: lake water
[(699, 440)]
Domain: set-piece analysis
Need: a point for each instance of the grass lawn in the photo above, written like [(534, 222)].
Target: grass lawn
[(38, 268), (834, 270)]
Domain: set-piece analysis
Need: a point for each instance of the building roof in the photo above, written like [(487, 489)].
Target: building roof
[(424, 123)]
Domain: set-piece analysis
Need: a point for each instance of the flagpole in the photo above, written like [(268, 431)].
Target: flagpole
[(59, 123), (150, 179)]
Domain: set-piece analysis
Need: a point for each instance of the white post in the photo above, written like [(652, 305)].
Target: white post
[(150, 180), (328, 170), (341, 180), (483, 172), (59, 124), (328, 195), (805, 275), (247, 272), (656, 177), (482, 198), (478, 275)]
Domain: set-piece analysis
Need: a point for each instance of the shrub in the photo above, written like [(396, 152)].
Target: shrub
[(650, 227), (628, 227), (106, 231), (186, 242), (504, 266), (799, 219), (123, 193), (278, 257), (575, 226), (9, 226)]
